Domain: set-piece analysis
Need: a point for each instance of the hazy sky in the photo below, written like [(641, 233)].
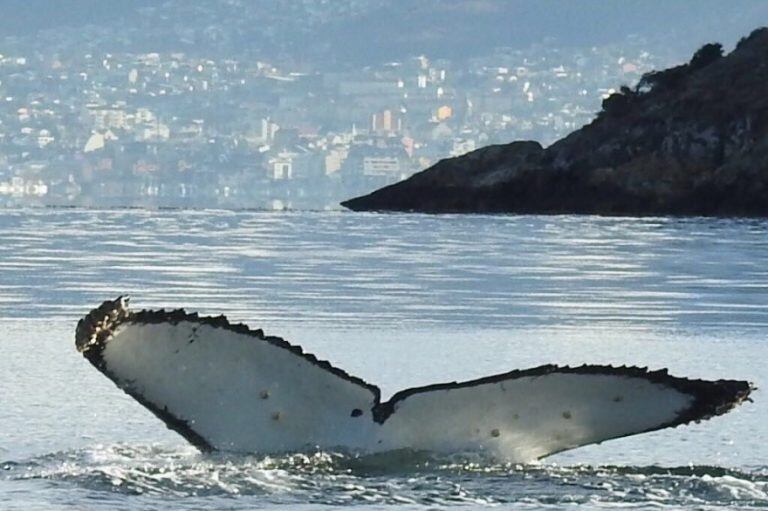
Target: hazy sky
[(377, 29)]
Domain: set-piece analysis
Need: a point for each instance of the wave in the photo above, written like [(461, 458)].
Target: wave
[(398, 477)]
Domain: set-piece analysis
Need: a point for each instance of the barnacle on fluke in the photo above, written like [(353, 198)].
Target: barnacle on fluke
[(223, 386)]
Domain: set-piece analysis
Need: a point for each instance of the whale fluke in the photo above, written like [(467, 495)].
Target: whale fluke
[(223, 386)]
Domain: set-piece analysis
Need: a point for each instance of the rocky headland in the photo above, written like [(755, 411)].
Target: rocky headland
[(689, 140)]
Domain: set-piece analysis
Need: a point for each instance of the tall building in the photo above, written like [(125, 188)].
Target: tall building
[(386, 122)]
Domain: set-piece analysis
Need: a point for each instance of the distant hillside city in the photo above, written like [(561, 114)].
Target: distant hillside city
[(87, 122)]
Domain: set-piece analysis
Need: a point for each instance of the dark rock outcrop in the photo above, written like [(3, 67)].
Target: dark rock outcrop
[(689, 140)]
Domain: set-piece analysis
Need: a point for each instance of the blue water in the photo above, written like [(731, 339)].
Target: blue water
[(400, 300)]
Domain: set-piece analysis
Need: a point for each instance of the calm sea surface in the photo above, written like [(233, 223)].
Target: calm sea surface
[(399, 300)]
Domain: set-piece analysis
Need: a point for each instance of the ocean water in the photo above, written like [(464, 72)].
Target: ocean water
[(399, 300)]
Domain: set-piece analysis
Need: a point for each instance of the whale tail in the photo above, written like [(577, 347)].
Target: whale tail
[(224, 386)]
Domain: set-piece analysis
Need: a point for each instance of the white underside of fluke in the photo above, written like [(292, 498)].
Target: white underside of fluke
[(238, 393), (531, 417), (226, 387)]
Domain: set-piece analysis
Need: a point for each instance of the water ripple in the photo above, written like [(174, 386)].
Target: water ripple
[(414, 270), (395, 478)]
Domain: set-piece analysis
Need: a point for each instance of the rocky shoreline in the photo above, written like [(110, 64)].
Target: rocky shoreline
[(689, 140)]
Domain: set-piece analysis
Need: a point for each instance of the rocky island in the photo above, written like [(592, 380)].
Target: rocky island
[(689, 140)]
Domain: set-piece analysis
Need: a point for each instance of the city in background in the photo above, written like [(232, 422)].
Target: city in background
[(227, 109)]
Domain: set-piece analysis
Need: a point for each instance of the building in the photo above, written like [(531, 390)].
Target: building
[(280, 167), (388, 166)]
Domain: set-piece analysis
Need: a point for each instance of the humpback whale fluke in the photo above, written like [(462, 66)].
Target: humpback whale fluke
[(223, 386)]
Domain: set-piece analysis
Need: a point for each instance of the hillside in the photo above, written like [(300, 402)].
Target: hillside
[(689, 140)]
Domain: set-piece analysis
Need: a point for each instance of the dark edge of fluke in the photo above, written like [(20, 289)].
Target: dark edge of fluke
[(711, 398)]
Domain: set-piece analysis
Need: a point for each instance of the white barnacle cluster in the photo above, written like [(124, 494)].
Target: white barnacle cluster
[(99, 325)]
